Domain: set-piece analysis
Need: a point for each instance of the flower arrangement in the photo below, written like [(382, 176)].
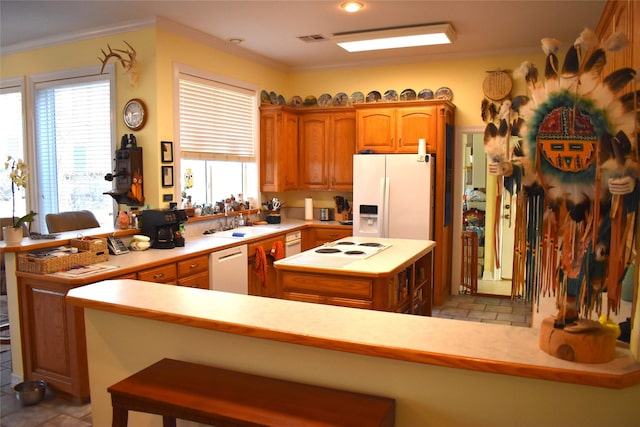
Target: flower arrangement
[(19, 176)]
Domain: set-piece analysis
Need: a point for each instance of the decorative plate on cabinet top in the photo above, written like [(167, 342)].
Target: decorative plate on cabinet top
[(425, 94), (391, 95), (281, 100), (295, 102), (444, 93), (408, 95), (264, 97), (273, 97), (341, 99), (310, 101), (357, 98), (374, 96), (325, 100)]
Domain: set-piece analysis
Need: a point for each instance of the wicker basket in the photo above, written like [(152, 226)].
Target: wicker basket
[(97, 247), (30, 264), (90, 251)]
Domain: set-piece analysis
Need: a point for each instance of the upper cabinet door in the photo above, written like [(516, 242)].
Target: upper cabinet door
[(376, 129), (416, 123), (342, 149), (278, 149), (314, 137)]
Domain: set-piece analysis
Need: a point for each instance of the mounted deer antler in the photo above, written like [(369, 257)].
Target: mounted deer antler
[(130, 65)]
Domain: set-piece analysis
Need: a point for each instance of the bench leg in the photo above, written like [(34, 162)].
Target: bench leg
[(120, 417), (168, 421)]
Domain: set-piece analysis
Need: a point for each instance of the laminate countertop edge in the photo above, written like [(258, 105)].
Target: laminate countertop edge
[(488, 348)]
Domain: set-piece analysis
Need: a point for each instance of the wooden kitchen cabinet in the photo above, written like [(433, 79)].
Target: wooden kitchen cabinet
[(396, 129), (194, 272), (256, 286), (405, 290), (327, 146), (621, 16), (54, 343), (323, 235), (278, 148), (167, 273)]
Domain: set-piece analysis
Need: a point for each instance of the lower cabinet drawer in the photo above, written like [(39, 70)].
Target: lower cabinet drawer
[(199, 280), (163, 274), (319, 299), (331, 286), (193, 265)]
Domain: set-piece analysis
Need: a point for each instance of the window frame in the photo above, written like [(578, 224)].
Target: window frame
[(199, 74), (11, 85), (61, 76)]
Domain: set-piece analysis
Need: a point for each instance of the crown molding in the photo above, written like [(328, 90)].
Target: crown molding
[(80, 35)]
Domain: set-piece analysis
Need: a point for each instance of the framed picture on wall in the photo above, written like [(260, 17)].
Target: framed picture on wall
[(167, 176), (166, 151)]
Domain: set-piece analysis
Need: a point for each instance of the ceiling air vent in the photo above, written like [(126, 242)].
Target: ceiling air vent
[(313, 38)]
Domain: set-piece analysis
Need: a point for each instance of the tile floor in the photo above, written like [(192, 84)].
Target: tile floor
[(54, 411)]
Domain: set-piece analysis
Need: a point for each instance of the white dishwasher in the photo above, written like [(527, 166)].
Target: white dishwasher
[(293, 243), (228, 270)]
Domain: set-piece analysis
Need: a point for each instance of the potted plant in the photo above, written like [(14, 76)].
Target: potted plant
[(19, 175)]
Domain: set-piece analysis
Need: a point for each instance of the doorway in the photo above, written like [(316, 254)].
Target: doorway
[(477, 211)]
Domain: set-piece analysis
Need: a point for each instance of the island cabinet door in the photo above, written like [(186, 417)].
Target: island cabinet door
[(53, 344)]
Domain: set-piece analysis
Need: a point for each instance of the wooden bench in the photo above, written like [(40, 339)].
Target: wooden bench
[(213, 396)]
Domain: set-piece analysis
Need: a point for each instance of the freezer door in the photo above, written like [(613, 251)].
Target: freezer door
[(368, 195), (411, 189)]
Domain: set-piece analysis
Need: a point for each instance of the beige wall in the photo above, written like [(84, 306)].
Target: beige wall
[(159, 48)]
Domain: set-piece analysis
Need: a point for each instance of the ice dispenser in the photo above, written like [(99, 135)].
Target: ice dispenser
[(369, 221)]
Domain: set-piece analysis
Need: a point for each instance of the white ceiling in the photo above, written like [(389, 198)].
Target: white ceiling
[(271, 28)]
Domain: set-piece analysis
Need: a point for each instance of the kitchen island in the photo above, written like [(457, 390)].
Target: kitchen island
[(362, 272)]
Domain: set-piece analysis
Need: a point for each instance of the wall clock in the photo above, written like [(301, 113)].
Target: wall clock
[(135, 114)]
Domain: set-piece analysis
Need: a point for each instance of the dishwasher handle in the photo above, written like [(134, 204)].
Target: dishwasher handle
[(228, 257)]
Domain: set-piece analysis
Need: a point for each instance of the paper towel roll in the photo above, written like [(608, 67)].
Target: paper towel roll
[(422, 146), (308, 209)]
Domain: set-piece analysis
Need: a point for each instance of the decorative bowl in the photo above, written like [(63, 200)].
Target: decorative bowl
[(30, 392)]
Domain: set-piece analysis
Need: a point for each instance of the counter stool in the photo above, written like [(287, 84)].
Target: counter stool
[(213, 396)]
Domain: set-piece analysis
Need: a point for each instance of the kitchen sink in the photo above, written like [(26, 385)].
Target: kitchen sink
[(243, 232)]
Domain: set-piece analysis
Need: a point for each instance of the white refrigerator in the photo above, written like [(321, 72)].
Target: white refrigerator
[(393, 196)]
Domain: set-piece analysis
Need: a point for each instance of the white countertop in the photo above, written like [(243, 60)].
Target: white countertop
[(444, 342), (400, 252)]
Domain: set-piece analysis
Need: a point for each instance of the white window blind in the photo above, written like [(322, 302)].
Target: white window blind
[(73, 146), (217, 121)]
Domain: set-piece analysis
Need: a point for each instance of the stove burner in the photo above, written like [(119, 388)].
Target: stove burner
[(371, 244), (354, 253), (345, 243), (328, 251)]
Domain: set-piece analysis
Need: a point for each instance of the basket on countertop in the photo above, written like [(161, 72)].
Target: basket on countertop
[(98, 246), (90, 251)]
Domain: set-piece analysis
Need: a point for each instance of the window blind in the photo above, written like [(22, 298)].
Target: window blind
[(217, 121), (73, 146)]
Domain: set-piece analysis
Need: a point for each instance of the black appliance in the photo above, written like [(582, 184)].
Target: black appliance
[(162, 226)]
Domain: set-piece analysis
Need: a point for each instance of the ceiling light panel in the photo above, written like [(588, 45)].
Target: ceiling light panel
[(395, 38)]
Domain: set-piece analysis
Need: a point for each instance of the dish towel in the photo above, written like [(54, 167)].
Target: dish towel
[(277, 250), (261, 265)]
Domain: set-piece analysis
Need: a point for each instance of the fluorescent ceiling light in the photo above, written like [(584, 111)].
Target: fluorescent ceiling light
[(395, 38)]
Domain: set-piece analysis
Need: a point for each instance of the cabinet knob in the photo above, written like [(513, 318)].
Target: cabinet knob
[(157, 276), (193, 265)]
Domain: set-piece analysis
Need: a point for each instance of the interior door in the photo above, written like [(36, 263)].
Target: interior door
[(507, 228)]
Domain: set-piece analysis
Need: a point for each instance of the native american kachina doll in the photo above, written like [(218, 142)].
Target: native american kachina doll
[(570, 150)]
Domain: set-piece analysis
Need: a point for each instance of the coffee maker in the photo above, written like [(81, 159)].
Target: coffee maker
[(161, 226)]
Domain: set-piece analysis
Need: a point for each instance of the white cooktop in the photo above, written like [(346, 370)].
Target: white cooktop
[(338, 254)]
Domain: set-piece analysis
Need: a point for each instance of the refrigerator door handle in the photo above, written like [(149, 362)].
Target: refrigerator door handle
[(385, 208)]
